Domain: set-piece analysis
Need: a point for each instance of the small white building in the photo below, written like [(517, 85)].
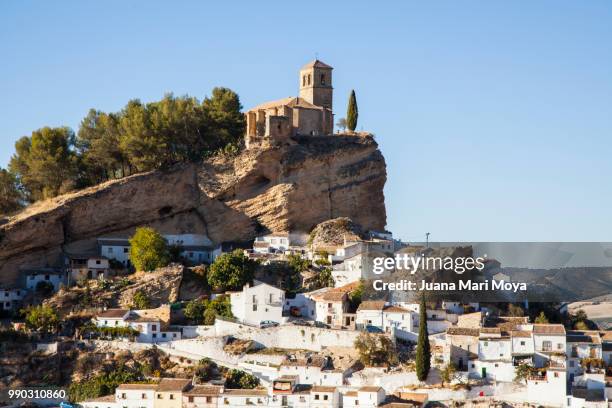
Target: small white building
[(202, 396), (195, 248), (272, 243), (288, 392), (313, 370), (549, 343), (366, 396), (494, 356), (370, 314), (135, 395), (88, 267), (53, 276), (244, 398), (10, 299), (324, 397), (258, 303), (549, 389), (117, 248), (150, 329), (580, 345), (331, 306)]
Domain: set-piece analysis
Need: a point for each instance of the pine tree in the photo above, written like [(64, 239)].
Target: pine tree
[(352, 112), (423, 353)]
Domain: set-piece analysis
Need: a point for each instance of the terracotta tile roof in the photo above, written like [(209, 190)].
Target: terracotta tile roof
[(322, 388), (396, 309), (113, 313), (137, 387), (350, 394), (206, 390), (551, 329), (372, 305), (369, 388), (490, 330), (172, 384), (520, 333), (463, 331), (246, 393), (316, 64), (292, 102)]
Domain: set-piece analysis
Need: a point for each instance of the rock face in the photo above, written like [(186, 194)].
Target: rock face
[(291, 187)]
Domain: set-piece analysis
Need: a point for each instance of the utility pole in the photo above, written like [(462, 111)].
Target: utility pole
[(427, 239)]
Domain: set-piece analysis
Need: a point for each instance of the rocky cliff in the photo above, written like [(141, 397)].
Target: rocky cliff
[(291, 187)]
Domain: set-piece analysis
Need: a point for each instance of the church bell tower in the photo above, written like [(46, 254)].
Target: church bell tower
[(316, 83)]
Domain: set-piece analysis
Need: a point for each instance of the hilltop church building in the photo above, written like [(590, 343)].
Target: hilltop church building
[(310, 113)]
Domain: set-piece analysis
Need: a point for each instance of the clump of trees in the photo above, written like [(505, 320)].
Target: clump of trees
[(240, 379), (148, 249), (204, 311), (140, 137), (231, 271), (375, 350), (42, 319), (140, 300)]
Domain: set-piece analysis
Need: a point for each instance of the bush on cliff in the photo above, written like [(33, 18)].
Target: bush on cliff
[(148, 249), (231, 271)]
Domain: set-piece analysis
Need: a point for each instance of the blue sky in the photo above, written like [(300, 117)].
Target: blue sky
[(494, 117)]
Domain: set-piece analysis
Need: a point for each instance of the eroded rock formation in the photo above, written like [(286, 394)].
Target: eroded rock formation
[(284, 188)]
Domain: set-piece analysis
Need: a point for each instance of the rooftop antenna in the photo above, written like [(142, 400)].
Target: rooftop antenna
[(427, 239)]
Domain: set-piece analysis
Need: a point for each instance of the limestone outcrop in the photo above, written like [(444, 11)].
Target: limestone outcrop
[(291, 187)]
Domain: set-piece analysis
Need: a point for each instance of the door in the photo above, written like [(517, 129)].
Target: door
[(484, 372)]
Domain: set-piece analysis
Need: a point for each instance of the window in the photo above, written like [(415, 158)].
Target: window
[(522, 343), (159, 396), (123, 396), (556, 374), (164, 335), (154, 327), (304, 80), (209, 399), (109, 250), (125, 250), (47, 277), (316, 396), (190, 399), (325, 397), (308, 79), (98, 262), (547, 345), (154, 335), (559, 346), (143, 395), (322, 79), (254, 307), (171, 396), (571, 363)]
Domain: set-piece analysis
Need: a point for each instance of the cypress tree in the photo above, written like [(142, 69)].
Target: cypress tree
[(352, 113), (423, 353)]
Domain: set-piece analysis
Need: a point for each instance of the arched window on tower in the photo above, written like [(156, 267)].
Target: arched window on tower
[(308, 79), (304, 80), (322, 79)]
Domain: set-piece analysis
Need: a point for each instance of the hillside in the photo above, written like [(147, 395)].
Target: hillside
[(288, 188)]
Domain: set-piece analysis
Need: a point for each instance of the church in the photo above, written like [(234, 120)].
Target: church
[(310, 113)]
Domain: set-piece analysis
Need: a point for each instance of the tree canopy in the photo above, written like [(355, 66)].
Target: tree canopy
[(140, 137), (11, 198), (423, 351), (231, 271), (148, 249), (41, 318), (352, 112)]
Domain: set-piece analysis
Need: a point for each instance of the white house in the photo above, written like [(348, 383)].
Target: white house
[(272, 243), (135, 395), (549, 343), (331, 305), (324, 397), (548, 389), (580, 345), (117, 248), (257, 303), (366, 396), (10, 299), (311, 370), (244, 398), (150, 329), (202, 396), (494, 356), (370, 314), (287, 392), (195, 248), (52, 276), (88, 267)]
